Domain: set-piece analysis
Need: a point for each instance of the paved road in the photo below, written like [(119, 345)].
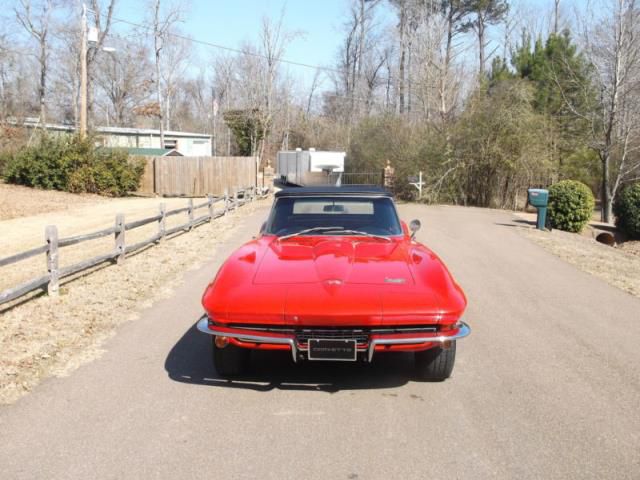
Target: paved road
[(548, 386)]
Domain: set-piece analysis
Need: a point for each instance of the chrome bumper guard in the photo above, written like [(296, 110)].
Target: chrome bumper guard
[(203, 326)]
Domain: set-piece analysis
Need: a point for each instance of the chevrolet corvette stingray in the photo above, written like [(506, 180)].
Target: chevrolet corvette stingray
[(334, 275)]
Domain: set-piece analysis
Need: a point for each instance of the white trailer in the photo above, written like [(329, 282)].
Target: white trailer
[(309, 167)]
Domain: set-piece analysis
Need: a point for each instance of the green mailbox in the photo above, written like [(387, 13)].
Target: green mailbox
[(539, 198)]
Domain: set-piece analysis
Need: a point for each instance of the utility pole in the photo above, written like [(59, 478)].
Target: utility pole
[(83, 73)]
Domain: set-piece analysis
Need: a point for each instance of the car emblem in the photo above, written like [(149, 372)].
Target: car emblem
[(333, 281), (394, 280)]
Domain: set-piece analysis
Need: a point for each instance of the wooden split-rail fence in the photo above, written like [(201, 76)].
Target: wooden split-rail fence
[(51, 281)]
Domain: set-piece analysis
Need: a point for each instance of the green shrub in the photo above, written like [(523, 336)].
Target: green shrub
[(73, 164), (570, 205), (627, 210), (4, 158), (110, 173)]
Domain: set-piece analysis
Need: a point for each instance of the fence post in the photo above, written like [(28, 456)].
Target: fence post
[(226, 200), (119, 236), (51, 236), (210, 206), (190, 213), (162, 223)]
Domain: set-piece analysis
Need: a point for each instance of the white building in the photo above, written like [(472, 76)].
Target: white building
[(186, 143)]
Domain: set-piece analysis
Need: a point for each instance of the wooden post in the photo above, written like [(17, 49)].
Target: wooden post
[(51, 236), (119, 237), (210, 206), (162, 223), (226, 200), (190, 213)]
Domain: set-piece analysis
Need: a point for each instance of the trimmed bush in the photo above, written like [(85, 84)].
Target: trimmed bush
[(571, 205), (73, 164), (627, 210)]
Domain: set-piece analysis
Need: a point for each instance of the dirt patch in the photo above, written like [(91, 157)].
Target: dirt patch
[(52, 336), (17, 201), (632, 246), (614, 265)]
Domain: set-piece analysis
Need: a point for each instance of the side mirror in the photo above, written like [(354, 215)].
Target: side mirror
[(414, 226)]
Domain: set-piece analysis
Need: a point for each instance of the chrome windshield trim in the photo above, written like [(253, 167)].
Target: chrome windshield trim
[(463, 331), (203, 326)]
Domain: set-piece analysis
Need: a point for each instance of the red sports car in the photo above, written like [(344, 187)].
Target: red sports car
[(334, 276)]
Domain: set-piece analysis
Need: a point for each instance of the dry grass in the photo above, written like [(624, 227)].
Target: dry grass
[(20, 234), (16, 201), (89, 309), (615, 266)]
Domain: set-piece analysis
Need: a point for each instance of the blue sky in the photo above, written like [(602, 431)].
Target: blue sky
[(230, 22)]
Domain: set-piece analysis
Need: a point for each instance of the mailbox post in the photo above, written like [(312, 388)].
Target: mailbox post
[(539, 198)]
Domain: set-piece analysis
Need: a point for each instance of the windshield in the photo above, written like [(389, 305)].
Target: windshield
[(375, 216)]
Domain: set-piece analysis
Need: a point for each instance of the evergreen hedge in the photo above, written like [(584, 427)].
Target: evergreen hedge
[(571, 205), (627, 210), (73, 164)]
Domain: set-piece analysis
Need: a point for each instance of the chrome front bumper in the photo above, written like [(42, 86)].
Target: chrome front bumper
[(203, 326)]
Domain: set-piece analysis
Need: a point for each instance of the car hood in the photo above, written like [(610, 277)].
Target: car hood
[(337, 260), (333, 281)]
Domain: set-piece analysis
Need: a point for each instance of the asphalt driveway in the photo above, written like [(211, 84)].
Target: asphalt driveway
[(547, 386)]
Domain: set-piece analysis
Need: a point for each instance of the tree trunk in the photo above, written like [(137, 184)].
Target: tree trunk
[(157, 43), (159, 97), (402, 61), (481, 47), (42, 89), (606, 200), (445, 71)]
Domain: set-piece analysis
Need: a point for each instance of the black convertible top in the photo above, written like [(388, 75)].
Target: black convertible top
[(322, 191)]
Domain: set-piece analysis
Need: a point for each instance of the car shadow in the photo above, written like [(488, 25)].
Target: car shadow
[(189, 361)]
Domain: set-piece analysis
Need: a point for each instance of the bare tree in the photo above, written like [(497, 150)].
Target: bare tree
[(65, 72), (37, 26), (175, 60), (612, 45), (357, 49), (454, 12), (162, 24), (484, 13), (403, 19), (123, 80), (103, 17), (274, 40)]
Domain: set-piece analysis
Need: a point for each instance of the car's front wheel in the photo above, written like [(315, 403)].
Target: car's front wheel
[(229, 360), (436, 364)]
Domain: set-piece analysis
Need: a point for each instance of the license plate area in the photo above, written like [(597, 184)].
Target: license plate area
[(332, 350)]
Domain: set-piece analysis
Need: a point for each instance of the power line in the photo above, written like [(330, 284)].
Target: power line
[(245, 52), (229, 49)]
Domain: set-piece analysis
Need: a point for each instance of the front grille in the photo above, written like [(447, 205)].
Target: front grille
[(360, 336)]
